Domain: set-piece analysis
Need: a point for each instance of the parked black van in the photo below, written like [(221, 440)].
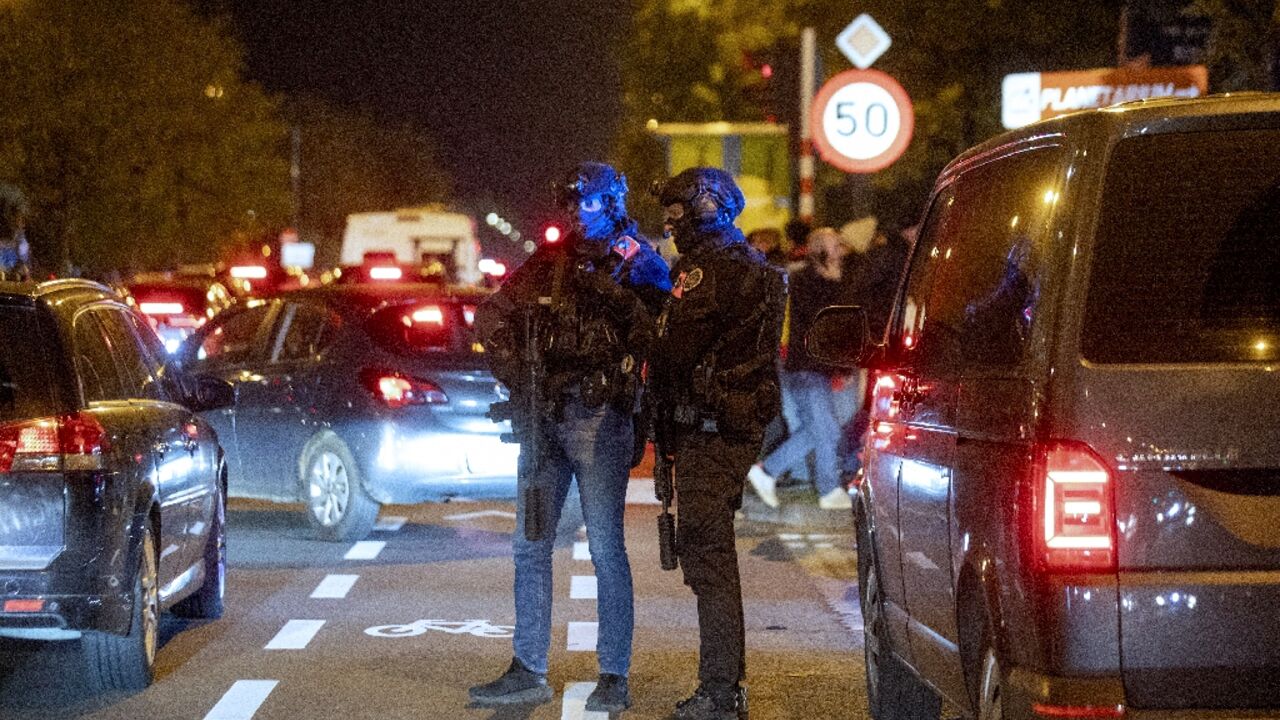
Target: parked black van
[(112, 489), (1070, 505)]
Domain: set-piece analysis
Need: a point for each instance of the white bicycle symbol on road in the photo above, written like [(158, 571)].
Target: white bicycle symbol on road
[(478, 628)]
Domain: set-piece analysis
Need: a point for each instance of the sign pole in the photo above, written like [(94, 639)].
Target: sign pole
[(808, 73)]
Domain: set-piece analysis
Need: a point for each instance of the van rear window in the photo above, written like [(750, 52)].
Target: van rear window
[(1187, 263), (25, 391)]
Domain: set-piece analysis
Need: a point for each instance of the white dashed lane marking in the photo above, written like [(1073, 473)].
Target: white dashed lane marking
[(242, 700), (575, 703), (640, 492), (581, 551), (295, 635), (391, 523), (582, 636), (334, 586), (365, 550), (582, 587)]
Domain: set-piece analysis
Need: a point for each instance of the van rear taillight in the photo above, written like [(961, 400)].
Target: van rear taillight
[(1076, 508), (69, 442)]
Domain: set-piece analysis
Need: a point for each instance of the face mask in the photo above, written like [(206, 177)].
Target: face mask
[(591, 218)]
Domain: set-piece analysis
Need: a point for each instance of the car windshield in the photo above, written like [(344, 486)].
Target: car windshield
[(24, 383), (425, 326), (1187, 264)]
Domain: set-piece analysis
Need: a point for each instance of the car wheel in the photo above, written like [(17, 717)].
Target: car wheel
[(207, 602), (338, 507), (893, 691), (126, 662)]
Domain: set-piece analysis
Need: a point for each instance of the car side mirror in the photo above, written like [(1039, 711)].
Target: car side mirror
[(841, 336), (210, 393)]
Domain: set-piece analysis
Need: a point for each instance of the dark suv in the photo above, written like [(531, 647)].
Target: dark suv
[(112, 490), (1070, 505)]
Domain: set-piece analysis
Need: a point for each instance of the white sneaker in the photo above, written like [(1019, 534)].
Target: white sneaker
[(764, 484), (837, 499)]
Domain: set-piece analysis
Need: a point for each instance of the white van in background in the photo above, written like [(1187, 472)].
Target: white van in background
[(417, 236)]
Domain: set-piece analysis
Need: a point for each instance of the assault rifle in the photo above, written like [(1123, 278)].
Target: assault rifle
[(664, 487)]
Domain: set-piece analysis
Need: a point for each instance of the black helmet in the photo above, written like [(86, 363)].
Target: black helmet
[(590, 178), (710, 197)]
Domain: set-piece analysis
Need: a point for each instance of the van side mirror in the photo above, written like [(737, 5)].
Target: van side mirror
[(841, 336), (210, 393)]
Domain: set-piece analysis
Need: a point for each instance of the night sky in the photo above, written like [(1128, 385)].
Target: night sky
[(514, 92)]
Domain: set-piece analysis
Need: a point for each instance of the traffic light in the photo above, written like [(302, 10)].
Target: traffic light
[(552, 234)]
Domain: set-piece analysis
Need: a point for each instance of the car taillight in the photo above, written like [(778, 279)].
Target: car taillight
[(428, 315), (397, 390), (70, 442), (249, 272), (385, 273), (1076, 508), (161, 308)]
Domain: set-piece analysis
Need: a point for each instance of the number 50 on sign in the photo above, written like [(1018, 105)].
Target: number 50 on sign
[(863, 121)]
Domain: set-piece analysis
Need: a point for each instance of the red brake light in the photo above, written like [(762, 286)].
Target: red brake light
[(1077, 508), (385, 273), (161, 308), (249, 272), (552, 234), (429, 315), (70, 442), (397, 390)]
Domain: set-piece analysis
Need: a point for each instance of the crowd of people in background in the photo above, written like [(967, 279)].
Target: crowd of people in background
[(817, 437)]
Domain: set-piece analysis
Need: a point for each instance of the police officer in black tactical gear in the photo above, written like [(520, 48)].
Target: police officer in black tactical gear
[(714, 384), (568, 334)]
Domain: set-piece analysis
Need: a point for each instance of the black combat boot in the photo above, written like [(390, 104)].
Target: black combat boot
[(518, 686), (707, 705), (611, 694)]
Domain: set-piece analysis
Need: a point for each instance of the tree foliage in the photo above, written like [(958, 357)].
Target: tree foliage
[(1244, 45), (130, 130), (692, 61)]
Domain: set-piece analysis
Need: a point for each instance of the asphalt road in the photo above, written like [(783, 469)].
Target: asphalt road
[(401, 625)]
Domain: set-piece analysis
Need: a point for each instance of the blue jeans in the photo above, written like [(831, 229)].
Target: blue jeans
[(818, 432), (592, 445)]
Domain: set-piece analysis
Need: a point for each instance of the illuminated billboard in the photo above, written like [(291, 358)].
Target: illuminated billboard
[(1030, 97)]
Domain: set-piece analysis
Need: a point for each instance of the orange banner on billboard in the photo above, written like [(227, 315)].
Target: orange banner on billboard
[(1030, 97)]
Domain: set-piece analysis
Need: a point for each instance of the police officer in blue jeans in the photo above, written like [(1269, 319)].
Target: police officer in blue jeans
[(567, 334)]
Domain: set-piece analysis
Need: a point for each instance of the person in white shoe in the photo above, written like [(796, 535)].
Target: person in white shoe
[(822, 282)]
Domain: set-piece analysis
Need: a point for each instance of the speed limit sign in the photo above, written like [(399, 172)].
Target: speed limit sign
[(862, 121)]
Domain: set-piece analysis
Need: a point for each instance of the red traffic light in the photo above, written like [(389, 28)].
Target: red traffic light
[(552, 234)]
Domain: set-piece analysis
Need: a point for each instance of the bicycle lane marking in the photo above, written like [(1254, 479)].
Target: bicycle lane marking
[(581, 551), (334, 587), (295, 635), (583, 636), (242, 701)]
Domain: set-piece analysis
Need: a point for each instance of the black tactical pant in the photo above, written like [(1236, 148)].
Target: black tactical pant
[(709, 472)]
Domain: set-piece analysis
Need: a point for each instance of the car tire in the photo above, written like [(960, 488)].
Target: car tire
[(893, 691), (338, 508), (126, 662), (207, 603)]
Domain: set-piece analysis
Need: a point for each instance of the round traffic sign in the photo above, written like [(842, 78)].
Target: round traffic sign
[(862, 121)]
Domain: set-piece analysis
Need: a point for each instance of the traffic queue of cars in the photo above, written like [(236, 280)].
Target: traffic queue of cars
[(1071, 485), (119, 449)]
